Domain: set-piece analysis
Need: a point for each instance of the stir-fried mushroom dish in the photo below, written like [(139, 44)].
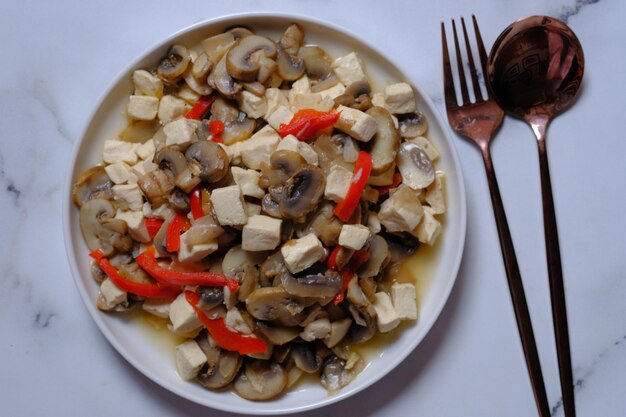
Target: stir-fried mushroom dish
[(261, 200)]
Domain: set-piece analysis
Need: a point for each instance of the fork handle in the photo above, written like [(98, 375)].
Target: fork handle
[(516, 289)]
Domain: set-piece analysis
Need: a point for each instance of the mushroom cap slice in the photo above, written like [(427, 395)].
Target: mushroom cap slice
[(359, 333), (99, 226), (278, 335), (415, 167), (318, 68), (174, 64), (276, 304), (239, 32), (412, 125), (236, 259), (92, 183), (216, 46), (208, 160), (312, 285), (385, 142), (305, 357), (379, 251), (221, 80), (222, 365), (283, 164), (290, 67), (302, 192), (291, 39), (242, 60), (261, 380)]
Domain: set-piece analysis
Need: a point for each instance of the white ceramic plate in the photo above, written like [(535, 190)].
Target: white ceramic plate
[(156, 360)]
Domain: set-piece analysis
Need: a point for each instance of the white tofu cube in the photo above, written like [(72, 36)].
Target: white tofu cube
[(359, 125), (337, 183), (119, 151), (378, 100), (253, 105), (142, 107), (233, 151), (334, 91), (146, 150), (111, 295), (118, 172), (428, 229), (373, 223), (403, 297), (291, 143), (399, 98), (349, 69), (180, 132), (140, 169), (172, 108), (427, 146), (435, 195), (161, 212), (318, 329), (228, 206), (282, 115), (136, 225), (301, 86), (353, 236), (183, 316), (147, 84), (275, 98), (248, 181), (252, 209), (157, 308), (386, 316), (299, 254), (194, 253), (128, 196), (259, 147), (312, 101), (402, 211), (189, 359), (261, 233), (186, 93), (235, 322)]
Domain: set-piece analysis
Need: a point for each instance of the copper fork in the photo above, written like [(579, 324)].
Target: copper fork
[(478, 121)]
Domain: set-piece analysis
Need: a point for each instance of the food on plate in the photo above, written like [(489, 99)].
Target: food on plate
[(261, 200)]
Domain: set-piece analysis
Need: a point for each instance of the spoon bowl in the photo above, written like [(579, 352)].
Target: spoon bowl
[(534, 72)]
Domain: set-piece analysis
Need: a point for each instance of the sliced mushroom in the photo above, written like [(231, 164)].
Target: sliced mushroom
[(91, 184), (338, 330), (100, 229), (224, 110), (302, 192), (207, 160), (385, 142), (415, 167), (255, 88), (273, 266), (210, 297), (201, 66), (216, 46), (270, 206), (261, 380), (239, 32), (289, 67), (97, 273), (323, 224), (248, 279), (283, 164), (275, 304), (305, 357), (318, 68), (412, 125), (198, 85), (291, 39), (173, 161), (356, 295), (356, 95), (221, 80), (278, 335), (204, 230), (369, 287), (236, 258), (360, 333), (159, 239), (242, 60), (335, 375), (378, 252), (312, 285), (156, 185), (222, 365), (238, 129), (174, 64)]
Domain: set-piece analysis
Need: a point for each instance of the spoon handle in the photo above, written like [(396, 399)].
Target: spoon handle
[(555, 275), (516, 288)]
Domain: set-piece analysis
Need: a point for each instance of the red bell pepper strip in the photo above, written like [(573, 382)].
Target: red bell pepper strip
[(149, 263), (397, 180), (195, 202), (347, 273), (217, 127), (332, 258), (201, 107), (362, 169), (178, 225), (139, 288), (307, 123), (153, 225), (222, 335)]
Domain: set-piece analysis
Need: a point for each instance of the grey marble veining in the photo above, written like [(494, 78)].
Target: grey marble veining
[(471, 363)]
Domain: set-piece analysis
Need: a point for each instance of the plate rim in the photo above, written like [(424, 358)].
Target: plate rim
[(67, 205)]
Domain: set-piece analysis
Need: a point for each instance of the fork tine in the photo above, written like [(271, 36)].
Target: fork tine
[(448, 82), (472, 66), (459, 62), (481, 50)]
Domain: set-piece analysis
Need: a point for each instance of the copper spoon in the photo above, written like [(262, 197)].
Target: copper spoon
[(534, 71)]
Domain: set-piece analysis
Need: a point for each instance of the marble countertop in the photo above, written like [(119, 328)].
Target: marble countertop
[(62, 55)]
